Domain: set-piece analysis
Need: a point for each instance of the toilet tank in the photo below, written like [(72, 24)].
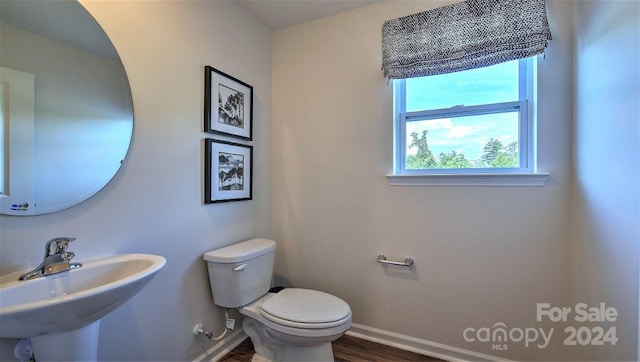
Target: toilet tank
[(240, 273)]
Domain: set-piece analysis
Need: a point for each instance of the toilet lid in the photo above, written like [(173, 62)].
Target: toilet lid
[(304, 307)]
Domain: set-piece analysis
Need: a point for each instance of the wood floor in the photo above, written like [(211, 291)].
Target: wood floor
[(345, 349)]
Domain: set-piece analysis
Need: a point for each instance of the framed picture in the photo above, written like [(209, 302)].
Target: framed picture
[(228, 104), (228, 171)]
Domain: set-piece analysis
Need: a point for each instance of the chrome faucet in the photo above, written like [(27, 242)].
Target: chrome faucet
[(56, 259)]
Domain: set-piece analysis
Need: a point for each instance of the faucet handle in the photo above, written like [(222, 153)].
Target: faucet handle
[(60, 245)]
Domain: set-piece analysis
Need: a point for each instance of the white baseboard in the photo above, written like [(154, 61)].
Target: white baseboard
[(408, 343), (223, 347), (421, 346)]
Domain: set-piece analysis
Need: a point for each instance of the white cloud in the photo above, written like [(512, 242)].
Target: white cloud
[(431, 125), (440, 123), (506, 139), (461, 131)]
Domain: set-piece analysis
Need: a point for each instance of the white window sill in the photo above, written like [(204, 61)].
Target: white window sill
[(470, 179)]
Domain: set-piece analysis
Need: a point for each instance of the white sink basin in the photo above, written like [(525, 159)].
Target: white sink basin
[(74, 299)]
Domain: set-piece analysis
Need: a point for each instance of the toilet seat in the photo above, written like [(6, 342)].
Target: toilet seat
[(305, 308)]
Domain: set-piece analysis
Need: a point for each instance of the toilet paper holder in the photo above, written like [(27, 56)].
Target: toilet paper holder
[(383, 260)]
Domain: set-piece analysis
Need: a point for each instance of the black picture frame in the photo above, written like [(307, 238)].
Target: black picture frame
[(228, 172), (228, 105)]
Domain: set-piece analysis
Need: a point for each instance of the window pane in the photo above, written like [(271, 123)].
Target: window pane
[(480, 141), (494, 84)]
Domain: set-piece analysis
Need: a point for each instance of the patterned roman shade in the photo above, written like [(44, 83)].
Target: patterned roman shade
[(465, 35)]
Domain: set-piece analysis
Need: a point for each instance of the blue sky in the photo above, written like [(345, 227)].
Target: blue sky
[(467, 135)]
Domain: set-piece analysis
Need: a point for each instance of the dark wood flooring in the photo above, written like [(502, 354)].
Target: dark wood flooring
[(345, 349)]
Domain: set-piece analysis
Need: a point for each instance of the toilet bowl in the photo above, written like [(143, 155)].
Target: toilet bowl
[(291, 325), (296, 324)]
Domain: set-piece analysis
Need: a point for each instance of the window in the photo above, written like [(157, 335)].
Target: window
[(473, 127), (474, 122), (463, 103)]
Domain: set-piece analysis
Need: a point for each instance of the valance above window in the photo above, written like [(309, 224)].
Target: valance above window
[(465, 35)]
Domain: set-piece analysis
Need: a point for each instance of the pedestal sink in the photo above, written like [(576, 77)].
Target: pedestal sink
[(61, 312)]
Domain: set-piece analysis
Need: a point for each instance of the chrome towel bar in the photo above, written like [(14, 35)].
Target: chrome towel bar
[(383, 260)]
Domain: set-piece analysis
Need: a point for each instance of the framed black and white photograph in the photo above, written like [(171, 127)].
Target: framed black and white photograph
[(228, 171), (228, 105)]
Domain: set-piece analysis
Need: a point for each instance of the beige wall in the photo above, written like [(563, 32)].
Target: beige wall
[(607, 169), (483, 254), (155, 203)]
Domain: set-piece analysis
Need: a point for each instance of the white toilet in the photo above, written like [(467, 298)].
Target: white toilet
[(291, 325)]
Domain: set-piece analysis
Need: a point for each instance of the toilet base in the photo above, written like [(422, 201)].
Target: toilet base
[(297, 354), (258, 358), (269, 348)]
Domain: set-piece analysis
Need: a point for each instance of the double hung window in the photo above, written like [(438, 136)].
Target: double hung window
[(463, 77), (475, 121)]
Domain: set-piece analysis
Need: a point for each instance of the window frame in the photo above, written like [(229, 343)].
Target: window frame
[(471, 176)]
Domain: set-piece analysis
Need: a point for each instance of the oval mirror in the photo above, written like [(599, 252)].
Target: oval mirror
[(65, 104)]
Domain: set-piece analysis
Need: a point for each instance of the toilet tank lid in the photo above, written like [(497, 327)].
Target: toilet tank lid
[(241, 251)]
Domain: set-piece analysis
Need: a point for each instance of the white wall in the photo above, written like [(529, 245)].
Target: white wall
[(607, 169), (483, 254), (155, 203)]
